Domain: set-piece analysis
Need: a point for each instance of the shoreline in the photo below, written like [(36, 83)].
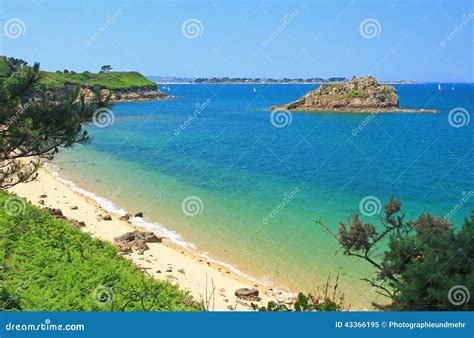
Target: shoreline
[(171, 260)]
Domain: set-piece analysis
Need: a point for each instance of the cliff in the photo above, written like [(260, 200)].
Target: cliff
[(359, 95), (125, 86)]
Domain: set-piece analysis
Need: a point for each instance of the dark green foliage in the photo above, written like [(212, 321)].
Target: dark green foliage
[(35, 126), (48, 265), (326, 299), (426, 264)]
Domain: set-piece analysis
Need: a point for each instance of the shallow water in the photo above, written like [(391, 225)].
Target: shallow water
[(216, 144)]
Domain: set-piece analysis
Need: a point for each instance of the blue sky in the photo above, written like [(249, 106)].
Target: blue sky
[(248, 38)]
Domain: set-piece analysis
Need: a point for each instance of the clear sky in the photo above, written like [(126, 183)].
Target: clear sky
[(391, 39)]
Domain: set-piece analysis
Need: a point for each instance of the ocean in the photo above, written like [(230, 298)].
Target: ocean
[(217, 171)]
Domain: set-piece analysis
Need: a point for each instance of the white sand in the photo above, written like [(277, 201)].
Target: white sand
[(164, 260)]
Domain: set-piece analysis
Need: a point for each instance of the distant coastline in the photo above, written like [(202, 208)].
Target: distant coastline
[(227, 80)]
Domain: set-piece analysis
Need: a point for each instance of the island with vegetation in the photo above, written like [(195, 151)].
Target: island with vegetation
[(359, 95)]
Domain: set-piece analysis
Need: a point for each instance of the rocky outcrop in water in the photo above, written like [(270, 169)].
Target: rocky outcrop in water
[(129, 95), (362, 94)]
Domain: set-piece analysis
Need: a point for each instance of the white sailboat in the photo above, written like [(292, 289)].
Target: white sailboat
[(254, 90), (439, 87)]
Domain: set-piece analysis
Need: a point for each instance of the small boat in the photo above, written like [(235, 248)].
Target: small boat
[(254, 90), (439, 87), (169, 89)]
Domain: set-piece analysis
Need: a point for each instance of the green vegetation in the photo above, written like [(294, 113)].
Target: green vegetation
[(355, 92), (110, 80), (425, 265), (34, 129), (49, 265), (104, 79), (326, 299)]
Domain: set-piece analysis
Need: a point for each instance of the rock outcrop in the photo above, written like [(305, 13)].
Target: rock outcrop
[(147, 93), (129, 95), (136, 240), (362, 94)]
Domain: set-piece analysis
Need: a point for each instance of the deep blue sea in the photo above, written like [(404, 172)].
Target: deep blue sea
[(211, 167)]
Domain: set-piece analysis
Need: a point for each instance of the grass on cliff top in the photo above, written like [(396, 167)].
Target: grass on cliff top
[(48, 265), (112, 80)]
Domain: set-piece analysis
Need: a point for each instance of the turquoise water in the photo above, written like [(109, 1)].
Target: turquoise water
[(242, 168)]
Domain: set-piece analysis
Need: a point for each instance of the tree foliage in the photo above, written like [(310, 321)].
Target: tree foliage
[(424, 263), (33, 124)]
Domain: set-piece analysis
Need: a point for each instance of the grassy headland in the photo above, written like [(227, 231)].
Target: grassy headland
[(111, 80)]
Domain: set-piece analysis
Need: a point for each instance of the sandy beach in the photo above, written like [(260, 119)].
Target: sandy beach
[(164, 261)]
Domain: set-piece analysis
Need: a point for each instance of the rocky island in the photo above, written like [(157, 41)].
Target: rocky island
[(358, 95)]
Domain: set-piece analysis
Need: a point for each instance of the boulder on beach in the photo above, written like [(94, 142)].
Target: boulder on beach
[(136, 240), (57, 213), (247, 294)]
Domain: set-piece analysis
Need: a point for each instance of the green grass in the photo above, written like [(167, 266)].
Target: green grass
[(48, 265), (112, 80)]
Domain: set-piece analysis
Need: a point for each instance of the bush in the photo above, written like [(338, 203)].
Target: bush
[(426, 264), (48, 265)]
